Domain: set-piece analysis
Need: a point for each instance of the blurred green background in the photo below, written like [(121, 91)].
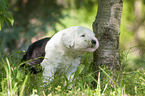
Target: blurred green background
[(36, 19)]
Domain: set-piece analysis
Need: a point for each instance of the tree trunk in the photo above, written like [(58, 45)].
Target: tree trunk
[(107, 30)]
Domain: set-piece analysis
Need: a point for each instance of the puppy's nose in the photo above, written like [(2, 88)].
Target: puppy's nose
[(93, 42)]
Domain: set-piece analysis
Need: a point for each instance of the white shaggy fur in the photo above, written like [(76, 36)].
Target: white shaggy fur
[(64, 49)]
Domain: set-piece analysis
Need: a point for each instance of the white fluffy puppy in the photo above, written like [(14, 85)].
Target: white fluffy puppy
[(62, 52)]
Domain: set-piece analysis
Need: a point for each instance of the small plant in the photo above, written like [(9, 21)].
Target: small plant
[(10, 83), (14, 82)]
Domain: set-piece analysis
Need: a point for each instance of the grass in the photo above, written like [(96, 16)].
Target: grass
[(13, 81)]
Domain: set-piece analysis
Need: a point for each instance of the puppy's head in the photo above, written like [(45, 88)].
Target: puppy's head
[(80, 39)]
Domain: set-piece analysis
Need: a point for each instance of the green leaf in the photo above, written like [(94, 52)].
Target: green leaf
[(7, 4), (98, 90), (108, 76), (23, 86), (9, 18), (4, 15), (79, 70), (2, 5), (1, 21)]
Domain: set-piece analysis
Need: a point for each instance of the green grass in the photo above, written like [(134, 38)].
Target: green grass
[(13, 81)]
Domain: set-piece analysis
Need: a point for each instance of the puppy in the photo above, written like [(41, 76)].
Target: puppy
[(61, 53)]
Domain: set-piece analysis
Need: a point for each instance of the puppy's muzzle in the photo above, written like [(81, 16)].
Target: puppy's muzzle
[(93, 42)]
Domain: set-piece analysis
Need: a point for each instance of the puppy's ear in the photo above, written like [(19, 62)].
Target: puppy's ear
[(68, 39)]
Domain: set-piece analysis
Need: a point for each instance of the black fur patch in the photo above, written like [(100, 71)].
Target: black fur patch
[(34, 56)]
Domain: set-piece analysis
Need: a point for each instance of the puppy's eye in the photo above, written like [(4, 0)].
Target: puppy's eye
[(83, 35)]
